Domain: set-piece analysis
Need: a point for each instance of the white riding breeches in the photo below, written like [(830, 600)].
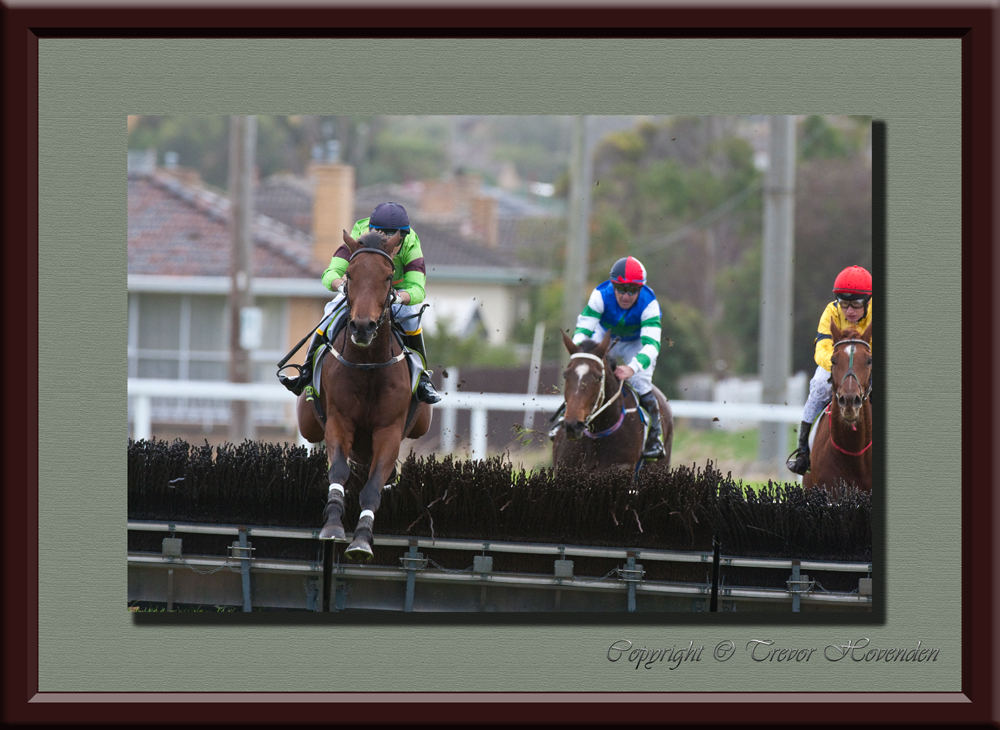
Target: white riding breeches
[(406, 314), (642, 381), (820, 391)]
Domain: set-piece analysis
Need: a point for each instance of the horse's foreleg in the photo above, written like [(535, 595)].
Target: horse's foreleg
[(385, 451), (338, 447)]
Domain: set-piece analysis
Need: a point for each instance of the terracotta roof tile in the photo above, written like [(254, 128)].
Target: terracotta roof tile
[(177, 229)]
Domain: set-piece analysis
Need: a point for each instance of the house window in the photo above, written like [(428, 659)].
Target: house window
[(186, 337)]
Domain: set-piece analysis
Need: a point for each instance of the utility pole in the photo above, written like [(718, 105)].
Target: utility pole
[(581, 171), (243, 320), (775, 353)]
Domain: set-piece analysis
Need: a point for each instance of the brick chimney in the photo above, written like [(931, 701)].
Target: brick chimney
[(467, 189), (333, 207), (439, 200), (485, 220)]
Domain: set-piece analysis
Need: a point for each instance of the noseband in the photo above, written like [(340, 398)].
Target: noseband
[(850, 367), (598, 408)]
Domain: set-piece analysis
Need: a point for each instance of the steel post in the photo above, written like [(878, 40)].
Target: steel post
[(411, 577), (716, 561), (796, 577), (328, 547), (245, 569), (631, 584)]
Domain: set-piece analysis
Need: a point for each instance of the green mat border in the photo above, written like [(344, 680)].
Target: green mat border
[(87, 235)]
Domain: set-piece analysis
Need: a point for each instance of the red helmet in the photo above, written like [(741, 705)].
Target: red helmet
[(628, 271), (853, 280)]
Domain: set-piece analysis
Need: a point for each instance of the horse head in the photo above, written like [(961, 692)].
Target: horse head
[(852, 371), (369, 283), (585, 378)]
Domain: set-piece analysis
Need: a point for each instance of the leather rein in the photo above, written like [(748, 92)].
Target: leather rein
[(390, 297), (850, 374), (598, 408)]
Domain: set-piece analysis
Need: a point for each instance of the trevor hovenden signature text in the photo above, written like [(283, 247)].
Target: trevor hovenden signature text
[(768, 650)]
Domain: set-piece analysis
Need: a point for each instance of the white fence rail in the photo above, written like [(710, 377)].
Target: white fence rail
[(141, 391)]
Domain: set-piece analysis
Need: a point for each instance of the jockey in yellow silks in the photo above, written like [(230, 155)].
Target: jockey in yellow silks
[(851, 308)]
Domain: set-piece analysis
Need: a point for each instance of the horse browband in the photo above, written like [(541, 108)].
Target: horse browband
[(856, 342), (370, 250)]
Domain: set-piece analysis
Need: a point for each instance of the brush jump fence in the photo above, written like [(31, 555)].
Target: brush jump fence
[(237, 525), (141, 392)]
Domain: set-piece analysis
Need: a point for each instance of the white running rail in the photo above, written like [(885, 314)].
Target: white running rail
[(141, 391)]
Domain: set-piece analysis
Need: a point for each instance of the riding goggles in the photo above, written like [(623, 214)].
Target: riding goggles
[(628, 288), (855, 303)]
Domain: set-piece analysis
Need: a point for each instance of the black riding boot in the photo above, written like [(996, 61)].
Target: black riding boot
[(653, 448), (304, 378), (425, 388), (798, 460), (558, 418)]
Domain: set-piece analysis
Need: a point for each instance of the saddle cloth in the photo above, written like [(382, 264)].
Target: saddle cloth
[(815, 423), (643, 414)]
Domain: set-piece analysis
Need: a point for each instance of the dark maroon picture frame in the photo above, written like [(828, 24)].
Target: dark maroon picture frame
[(977, 28)]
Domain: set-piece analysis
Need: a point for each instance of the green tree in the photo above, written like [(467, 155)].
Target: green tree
[(833, 219), (447, 350), (284, 143), (833, 230), (824, 141), (684, 197), (201, 142), (406, 148), (683, 346), (740, 321)]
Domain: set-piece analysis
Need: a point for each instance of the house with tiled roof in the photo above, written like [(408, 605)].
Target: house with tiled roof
[(472, 278), (179, 254)]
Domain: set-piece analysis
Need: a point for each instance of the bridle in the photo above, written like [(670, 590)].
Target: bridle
[(850, 373), (598, 408), (850, 368), (390, 297)]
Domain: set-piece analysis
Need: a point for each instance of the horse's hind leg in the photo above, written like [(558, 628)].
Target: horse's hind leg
[(385, 445), (340, 472), (309, 425), (422, 422)]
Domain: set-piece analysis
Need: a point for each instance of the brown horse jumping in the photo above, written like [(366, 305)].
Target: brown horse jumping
[(365, 390), (842, 449), (601, 428)]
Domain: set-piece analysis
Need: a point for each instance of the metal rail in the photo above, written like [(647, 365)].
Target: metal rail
[(511, 579), (331, 579), (676, 556)]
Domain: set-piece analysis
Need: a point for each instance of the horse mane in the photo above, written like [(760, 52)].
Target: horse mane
[(372, 239), (591, 345)]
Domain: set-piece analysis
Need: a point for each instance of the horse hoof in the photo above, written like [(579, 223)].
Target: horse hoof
[(333, 532), (359, 550)]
